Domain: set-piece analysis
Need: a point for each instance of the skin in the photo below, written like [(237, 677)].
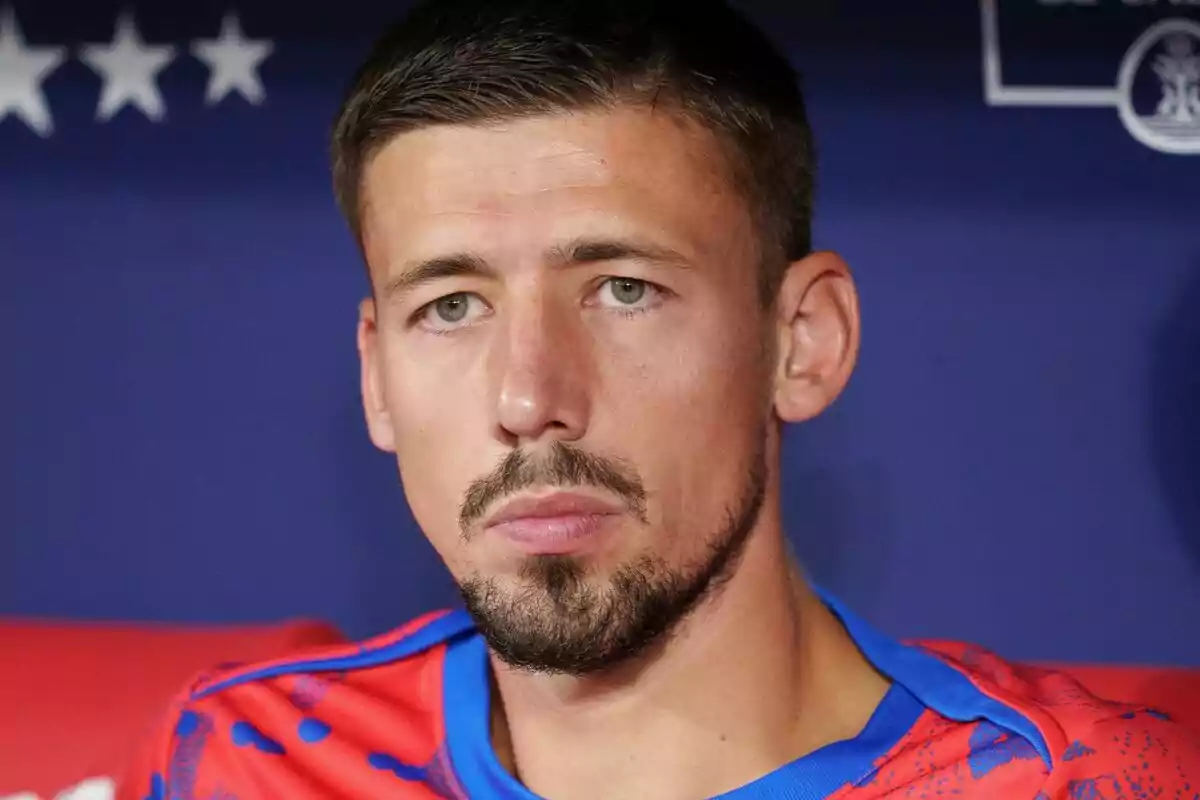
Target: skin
[(683, 384)]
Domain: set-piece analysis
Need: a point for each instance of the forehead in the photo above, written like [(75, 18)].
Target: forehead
[(531, 181)]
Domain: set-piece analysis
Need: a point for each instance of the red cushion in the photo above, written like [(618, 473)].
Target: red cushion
[(74, 696)]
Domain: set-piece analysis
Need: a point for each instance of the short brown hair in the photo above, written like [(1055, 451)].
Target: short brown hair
[(480, 61)]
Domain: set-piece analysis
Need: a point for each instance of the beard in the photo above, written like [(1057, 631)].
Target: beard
[(557, 621)]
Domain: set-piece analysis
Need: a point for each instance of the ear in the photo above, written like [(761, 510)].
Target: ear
[(818, 336), (374, 398)]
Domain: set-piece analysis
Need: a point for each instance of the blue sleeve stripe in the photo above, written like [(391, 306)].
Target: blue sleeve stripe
[(435, 632)]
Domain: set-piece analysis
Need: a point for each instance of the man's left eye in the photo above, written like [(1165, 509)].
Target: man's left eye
[(627, 293)]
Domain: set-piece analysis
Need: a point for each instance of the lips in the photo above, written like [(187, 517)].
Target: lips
[(561, 504), (556, 524)]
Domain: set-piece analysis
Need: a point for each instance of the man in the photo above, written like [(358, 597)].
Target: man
[(594, 303)]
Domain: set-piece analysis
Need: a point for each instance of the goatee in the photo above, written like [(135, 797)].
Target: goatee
[(560, 622)]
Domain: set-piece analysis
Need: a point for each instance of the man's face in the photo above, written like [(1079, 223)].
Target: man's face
[(568, 356)]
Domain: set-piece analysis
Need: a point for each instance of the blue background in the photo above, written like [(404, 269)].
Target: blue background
[(1017, 461)]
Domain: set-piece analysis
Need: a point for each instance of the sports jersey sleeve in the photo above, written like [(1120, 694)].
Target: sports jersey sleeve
[(1140, 753)]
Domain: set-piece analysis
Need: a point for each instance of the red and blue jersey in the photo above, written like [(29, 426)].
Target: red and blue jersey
[(406, 715)]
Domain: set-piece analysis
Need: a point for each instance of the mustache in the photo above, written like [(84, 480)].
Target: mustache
[(564, 465)]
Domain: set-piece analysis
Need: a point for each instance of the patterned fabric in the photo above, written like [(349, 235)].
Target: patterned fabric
[(406, 715)]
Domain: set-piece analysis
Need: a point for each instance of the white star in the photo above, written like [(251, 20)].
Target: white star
[(233, 62), (22, 70), (129, 67)]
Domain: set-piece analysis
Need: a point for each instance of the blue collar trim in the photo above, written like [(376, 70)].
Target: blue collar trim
[(920, 681), (936, 684)]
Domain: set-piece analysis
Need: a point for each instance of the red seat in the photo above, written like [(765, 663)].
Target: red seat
[(74, 696)]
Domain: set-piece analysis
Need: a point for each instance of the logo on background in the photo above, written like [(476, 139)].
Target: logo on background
[(1156, 91)]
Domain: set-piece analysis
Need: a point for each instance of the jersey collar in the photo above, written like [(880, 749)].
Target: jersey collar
[(935, 683), (931, 681)]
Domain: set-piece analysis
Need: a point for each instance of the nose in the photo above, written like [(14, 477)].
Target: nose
[(541, 362)]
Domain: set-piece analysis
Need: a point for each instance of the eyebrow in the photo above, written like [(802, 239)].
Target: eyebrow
[(429, 270), (576, 252), (591, 251)]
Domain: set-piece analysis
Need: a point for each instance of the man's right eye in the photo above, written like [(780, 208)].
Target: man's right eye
[(452, 308), (452, 311)]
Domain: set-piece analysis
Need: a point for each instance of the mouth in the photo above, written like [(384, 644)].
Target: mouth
[(557, 524)]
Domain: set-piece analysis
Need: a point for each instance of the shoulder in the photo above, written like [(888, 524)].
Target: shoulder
[(1098, 747), (305, 679), (280, 707), (1136, 753)]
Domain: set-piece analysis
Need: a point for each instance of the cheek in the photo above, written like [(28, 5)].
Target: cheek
[(681, 379), (434, 388), (439, 426), (688, 409)]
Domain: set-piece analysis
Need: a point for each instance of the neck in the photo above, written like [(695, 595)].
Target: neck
[(757, 676)]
